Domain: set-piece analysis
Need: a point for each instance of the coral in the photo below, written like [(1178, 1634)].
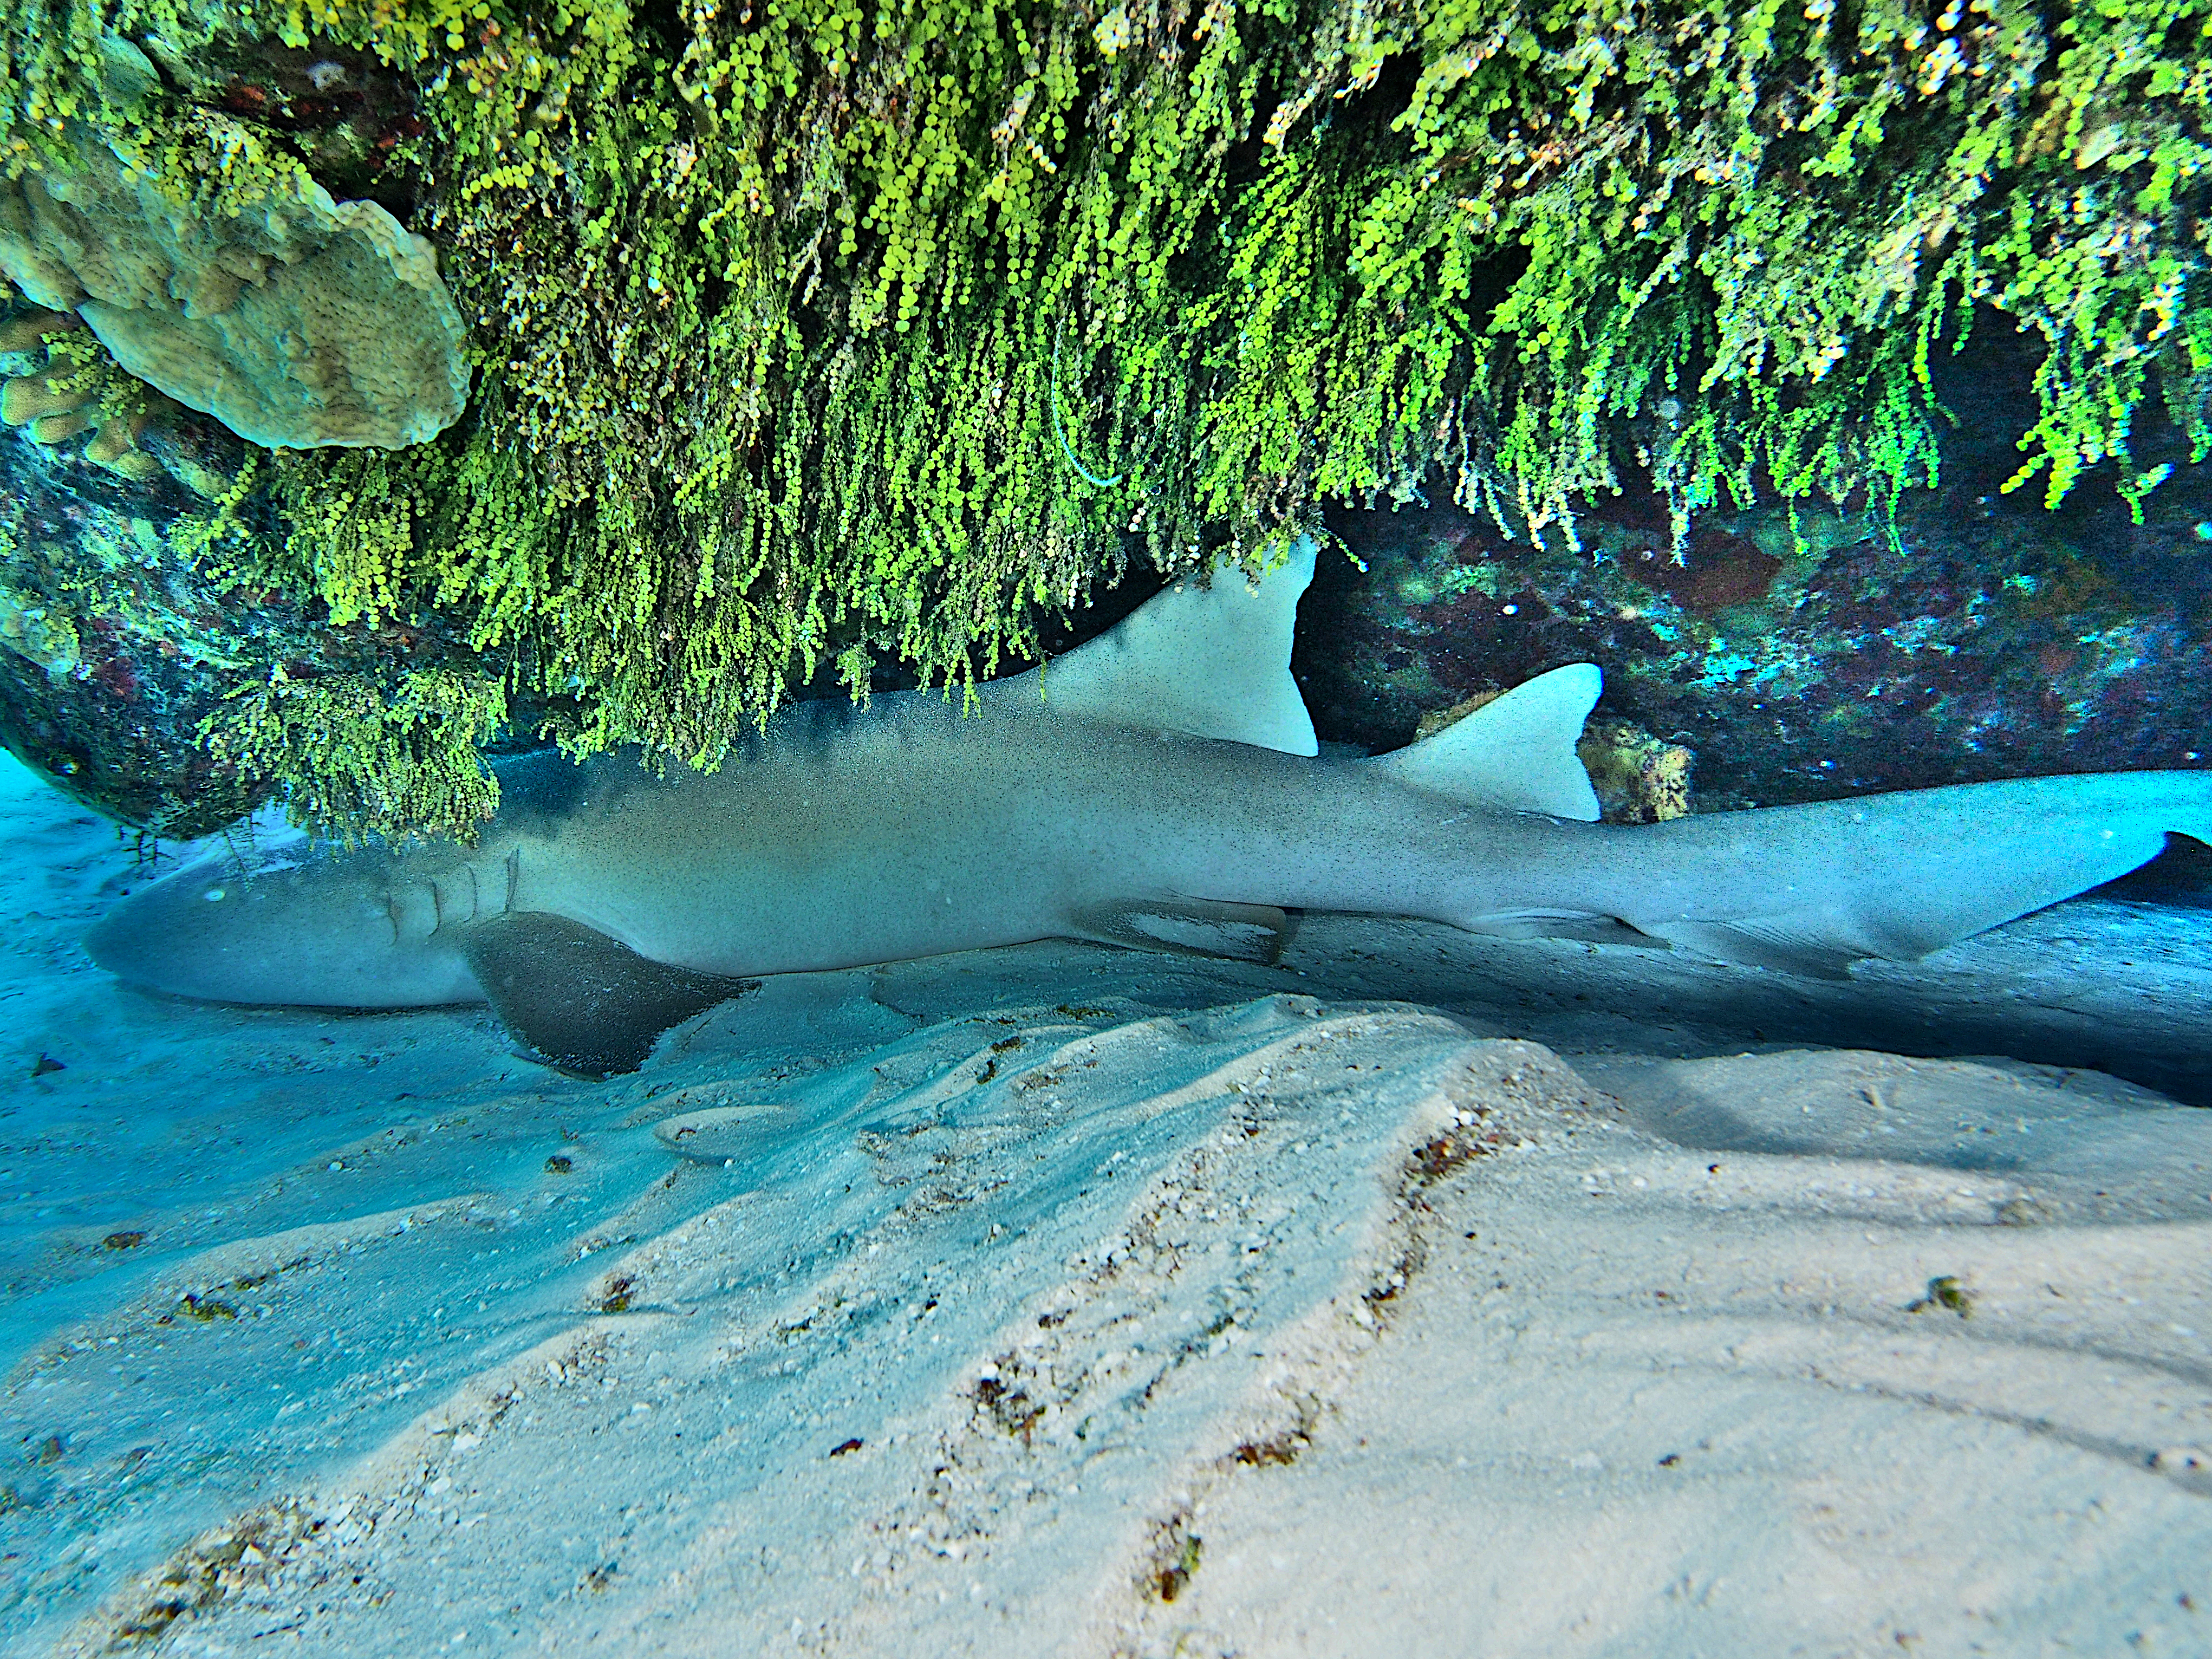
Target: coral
[(65, 386), (68, 384), (866, 334), (297, 321), (1638, 779), (116, 447), (129, 607)]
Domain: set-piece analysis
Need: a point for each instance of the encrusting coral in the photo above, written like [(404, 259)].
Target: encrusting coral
[(868, 332)]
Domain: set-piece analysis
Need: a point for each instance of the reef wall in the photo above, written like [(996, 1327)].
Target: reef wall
[(817, 342)]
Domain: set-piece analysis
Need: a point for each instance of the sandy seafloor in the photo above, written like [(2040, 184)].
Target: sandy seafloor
[(1426, 1295)]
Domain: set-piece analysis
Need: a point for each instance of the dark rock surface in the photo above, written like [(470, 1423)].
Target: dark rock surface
[(1979, 636), (131, 609)]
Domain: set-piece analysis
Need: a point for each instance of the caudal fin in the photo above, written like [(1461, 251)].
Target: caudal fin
[(1812, 888)]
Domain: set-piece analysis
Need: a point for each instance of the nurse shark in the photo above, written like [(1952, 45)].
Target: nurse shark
[(1159, 786)]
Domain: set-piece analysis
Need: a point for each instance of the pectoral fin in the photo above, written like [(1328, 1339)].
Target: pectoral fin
[(1242, 932), (589, 1003)]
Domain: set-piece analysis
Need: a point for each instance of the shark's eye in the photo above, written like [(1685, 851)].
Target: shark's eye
[(214, 893)]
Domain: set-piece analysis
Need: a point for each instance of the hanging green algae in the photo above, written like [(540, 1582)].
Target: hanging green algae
[(813, 332), (380, 759)]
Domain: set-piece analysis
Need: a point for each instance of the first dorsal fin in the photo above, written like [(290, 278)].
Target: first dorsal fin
[(1205, 662), (1515, 753)]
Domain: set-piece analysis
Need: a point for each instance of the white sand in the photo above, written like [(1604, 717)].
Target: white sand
[(1174, 1306)]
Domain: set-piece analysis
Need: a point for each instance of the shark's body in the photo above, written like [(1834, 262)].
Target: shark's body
[(1160, 787)]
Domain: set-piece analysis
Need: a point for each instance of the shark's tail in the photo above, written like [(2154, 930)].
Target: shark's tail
[(1812, 888)]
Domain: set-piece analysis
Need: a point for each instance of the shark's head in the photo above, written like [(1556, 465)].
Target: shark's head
[(331, 930)]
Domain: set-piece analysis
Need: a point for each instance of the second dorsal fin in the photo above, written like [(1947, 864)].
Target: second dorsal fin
[(1517, 752), (1205, 662)]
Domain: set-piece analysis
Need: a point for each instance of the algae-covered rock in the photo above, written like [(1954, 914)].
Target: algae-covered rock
[(1973, 634), (855, 342), (37, 634), (299, 322), (145, 631), (1638, 779)]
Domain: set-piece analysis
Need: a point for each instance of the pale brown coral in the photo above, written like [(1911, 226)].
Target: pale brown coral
[(298, 323), (1638, 777), (23, 340), (28, 399), (60, 428), (66, 387), (115, 446), (53, 393)]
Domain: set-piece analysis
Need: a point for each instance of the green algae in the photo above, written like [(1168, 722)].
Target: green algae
[(366, 756), (820, 334)]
